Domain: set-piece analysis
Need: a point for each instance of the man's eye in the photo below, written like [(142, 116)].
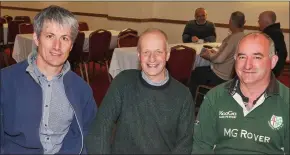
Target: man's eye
[(49, 36), (65, 38), (258, 58), (241, 57)]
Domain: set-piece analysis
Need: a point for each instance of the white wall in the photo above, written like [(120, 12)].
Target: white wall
[(218, 12)]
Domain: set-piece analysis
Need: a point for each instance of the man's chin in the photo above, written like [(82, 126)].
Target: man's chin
[(57, 64)]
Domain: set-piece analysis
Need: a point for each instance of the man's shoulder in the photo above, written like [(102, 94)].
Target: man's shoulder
[(219, 91), (191, 23), (128, 74), (15, 69), (284, 92), (178, 86), (209, 23), (75, 80), (236, 37)]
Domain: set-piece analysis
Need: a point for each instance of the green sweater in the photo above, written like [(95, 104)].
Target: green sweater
[(225, 126), (149, 119)]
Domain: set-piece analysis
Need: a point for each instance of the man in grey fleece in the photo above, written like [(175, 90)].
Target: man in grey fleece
[(200, 28), (152, 112), (222, 60)]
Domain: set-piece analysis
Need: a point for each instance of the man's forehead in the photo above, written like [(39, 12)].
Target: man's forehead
[(255, 40), (200, 11), (47, 23), (153, 36)]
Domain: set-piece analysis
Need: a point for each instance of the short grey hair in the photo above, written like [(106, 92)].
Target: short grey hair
[(56, 14), (238, 19), (272, 50), (153, 30), (199, 9)]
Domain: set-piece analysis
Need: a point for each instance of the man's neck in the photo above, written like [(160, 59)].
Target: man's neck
[(253, 91), (200, 23), (48, 71), (237, 30)]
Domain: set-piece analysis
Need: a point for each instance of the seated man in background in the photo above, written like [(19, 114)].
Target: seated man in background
[(267, 25), (200, 28), (153, 112), (250, 113), (222, 61)]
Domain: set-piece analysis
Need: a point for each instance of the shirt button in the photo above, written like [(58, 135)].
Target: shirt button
[(46, 105), (49, 85), (47, 138), (45, 124)]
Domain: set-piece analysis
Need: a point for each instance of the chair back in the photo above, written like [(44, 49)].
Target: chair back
[(181, 62), (25, 28), (128, 40), (83, 26), (26, 19), (126, 31), (1, 35), (13, 30), (99, 43), (8, 18), (3, 20), (75, 55)]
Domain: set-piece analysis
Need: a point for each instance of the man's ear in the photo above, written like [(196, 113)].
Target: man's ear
[(138, 53), (274, 60), (167, 56), (35, 39)]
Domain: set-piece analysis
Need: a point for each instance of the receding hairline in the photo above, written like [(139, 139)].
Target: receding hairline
[(152, 31), (259, 37), (200, 9), (255, 37)]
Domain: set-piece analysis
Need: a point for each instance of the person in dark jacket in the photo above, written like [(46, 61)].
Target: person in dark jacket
[(199, 29), (267, 24), (45, 107)]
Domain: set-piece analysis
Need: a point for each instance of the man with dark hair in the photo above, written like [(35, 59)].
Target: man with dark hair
[(250, 113), (199, 29), (267, 25), (153, 113), (222, 59), (45, 107)]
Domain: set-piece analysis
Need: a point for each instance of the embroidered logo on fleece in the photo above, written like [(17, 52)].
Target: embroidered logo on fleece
[(276, 122), (227, 114)]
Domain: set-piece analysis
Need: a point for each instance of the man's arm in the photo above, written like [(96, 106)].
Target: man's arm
[(185, 127), (100, 133), (204, 137), (286, 138), (223, 52), (212, 37), (1, 126), (89, 113), (1, 115), (186, 36), (207, 53)]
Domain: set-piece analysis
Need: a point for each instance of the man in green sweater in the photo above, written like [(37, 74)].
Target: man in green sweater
[(151, 112), (250, 113)]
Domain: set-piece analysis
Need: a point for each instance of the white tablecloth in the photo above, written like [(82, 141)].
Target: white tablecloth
[(127, 58), (24, 44)]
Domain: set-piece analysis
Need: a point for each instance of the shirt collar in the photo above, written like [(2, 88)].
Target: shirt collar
[(32, 67), (145, 77), (234, 86)]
